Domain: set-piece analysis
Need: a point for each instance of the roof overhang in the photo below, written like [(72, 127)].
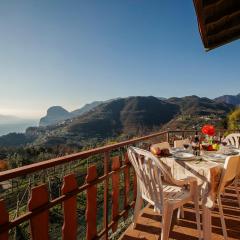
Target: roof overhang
[(218, 21)]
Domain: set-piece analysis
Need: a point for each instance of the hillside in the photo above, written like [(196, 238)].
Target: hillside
[(124, 116), (229, 99), (86, 108), (57, 114), (188, 105), (194, 105), (54, 115), (128, 117), (196, 111), (14, 139)]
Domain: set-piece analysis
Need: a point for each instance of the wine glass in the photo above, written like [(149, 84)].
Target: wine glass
[(185, 145), (205, 146), (224, 143)]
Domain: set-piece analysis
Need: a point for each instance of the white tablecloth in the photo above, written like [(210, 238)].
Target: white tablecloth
[(207, 174)]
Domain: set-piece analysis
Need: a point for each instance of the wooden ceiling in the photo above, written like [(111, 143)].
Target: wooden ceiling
[(218, 21)]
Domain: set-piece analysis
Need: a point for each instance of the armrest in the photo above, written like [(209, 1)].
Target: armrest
[(192, 183), (185, 181)]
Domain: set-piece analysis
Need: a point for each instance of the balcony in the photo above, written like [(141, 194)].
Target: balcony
[(91, 195)]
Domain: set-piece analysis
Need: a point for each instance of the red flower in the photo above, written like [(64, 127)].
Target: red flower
[(208, 130)]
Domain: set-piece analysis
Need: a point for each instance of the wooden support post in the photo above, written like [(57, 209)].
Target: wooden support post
[(69, 228), (4, 219), (91, 211), (167, 137), (126, 184), (106, 182), (39, 222), (183, 134), (115, 191)]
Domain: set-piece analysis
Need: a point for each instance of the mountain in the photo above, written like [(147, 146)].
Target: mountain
[(58, 114), (196, 111), (86, 108), (194, 105), (55, 115), (125, 115), (124, 118), (230, 99)]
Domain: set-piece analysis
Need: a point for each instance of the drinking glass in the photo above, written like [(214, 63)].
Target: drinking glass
[(224, 143), (185, 145)]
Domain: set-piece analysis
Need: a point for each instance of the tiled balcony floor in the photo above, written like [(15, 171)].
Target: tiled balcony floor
[(149, 226)]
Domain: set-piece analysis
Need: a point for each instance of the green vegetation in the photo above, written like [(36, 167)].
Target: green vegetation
[(234, 119)]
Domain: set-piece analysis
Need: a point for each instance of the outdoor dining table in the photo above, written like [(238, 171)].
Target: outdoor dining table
[(208, 175)]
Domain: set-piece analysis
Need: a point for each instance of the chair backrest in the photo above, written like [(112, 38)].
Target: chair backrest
[(150, 172), (233, 139), (161, 145), (229, 172), (179, 143)]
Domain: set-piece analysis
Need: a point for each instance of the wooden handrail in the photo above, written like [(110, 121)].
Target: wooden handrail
[(16, 172), (56, 201)]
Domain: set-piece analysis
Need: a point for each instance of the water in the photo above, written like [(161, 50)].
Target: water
[(17, 127)]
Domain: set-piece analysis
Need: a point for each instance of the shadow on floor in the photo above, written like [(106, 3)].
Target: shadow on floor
[(149, 223)]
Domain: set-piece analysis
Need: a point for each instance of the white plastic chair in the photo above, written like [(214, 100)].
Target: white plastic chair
[(179, 143), (229, 173), (161, 145), (156, 186), (233, 139)]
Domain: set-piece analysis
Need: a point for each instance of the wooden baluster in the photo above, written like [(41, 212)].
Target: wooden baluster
[(167, 137), (4, 219), (69, 228), (183, 134), (115, 191), (106, 182), (134, 185), (127, 184), (91, 211), (39, 222)]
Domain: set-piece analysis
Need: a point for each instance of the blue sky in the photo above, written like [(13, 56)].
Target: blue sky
[(70, 53)]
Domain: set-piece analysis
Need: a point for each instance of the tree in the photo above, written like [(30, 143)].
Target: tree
[(234, 120)]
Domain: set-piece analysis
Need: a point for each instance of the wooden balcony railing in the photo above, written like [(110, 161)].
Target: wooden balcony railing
[(118, 184)]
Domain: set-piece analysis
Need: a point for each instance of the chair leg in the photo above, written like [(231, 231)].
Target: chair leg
[(138, 206), (180, 213), (166, 221), (236, 189), (197, 210), (222, 217)]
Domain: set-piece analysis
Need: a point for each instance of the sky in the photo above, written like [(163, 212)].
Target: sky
[(70, 53)]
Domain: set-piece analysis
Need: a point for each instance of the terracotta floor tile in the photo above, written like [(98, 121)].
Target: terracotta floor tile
[(149, 223)]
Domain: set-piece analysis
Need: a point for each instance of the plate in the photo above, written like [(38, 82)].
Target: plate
[(174, 150), (184, 156), (231, 152), (214, 157), (231, 149)]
